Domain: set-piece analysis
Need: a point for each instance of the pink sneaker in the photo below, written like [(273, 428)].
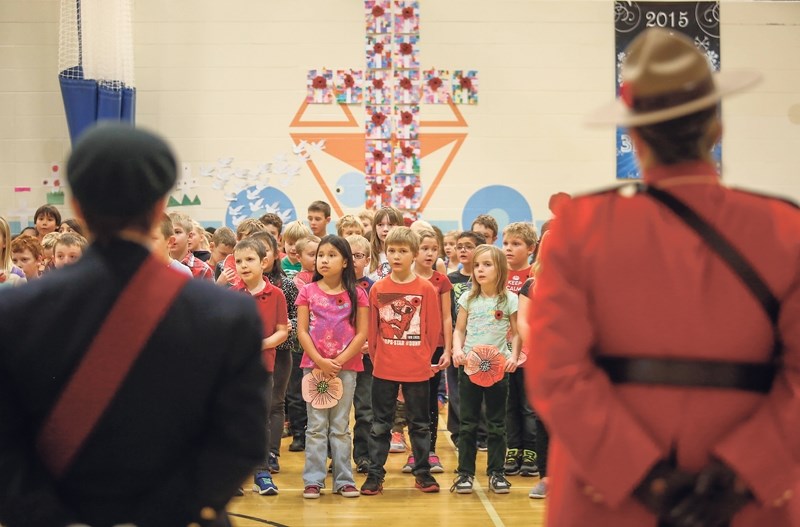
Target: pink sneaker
[(398, 443), (349, 491), (436, 465), (311, 492)]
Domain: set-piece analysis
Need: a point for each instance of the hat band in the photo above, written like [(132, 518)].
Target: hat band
[(672, 99)]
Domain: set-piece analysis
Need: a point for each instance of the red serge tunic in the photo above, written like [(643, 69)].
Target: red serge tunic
[(626, 276)]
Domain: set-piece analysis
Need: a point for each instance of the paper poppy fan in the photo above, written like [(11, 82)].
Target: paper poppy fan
[(321, 390), (485, 365)]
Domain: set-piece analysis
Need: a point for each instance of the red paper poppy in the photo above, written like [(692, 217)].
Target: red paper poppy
[(378, 188), (407, 223), (319, 82), (435, 83), (340, 301), (406, 48), (466, 83), (378, 155), (378, 118), (408, 151), (56, 183), (485, 365), (378, 11), (415, 301), (349, 81), (377, 84), (321, 390), (436, 278), (498, 315), (363, 284), (408, 12), (626, 94), (409, 191), (378, 48), (407, 118), (405, 83)]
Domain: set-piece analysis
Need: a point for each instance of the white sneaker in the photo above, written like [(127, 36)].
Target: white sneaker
[(539, 491)]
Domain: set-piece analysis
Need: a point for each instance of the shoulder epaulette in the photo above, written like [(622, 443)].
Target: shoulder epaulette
[(767, 196), (627, 189)]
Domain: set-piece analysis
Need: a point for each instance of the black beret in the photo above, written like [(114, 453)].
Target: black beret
[(118, 170)]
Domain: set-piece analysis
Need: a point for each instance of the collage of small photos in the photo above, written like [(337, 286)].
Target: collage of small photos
[(392, 88)]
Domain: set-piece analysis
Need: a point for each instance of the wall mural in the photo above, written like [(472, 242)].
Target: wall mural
[(386, 161)]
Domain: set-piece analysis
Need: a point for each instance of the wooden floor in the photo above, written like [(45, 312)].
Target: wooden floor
[(399, 505)]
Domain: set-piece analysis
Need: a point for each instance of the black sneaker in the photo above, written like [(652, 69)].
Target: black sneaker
[(362, 466), (499, 484), (426, 483), (482, 445), (298, 444), (272, 463), (462, 484), (529, 468), (372, 485), (512, 465)]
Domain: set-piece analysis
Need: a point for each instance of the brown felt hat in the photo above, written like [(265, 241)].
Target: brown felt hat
[(665, 76), (118, 170)]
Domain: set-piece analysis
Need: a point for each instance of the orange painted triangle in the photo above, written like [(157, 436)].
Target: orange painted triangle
[(299, 122), (348, 148)]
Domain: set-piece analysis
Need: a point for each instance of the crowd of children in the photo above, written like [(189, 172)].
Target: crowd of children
[(398, 319)]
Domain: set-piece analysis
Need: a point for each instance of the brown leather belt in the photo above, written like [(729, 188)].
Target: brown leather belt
[(745, 376)]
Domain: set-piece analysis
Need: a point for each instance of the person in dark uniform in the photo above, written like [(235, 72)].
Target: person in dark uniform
[(185, 425), (667, 373)]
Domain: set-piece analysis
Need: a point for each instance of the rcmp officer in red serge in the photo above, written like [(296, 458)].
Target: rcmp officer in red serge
[(128, 395), (665, 325)]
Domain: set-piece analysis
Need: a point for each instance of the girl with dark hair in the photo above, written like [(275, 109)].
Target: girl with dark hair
[(332, 314)]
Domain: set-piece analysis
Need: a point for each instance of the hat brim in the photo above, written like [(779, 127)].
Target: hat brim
[(726, 83)]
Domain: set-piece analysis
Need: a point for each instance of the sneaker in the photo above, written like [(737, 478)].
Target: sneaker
[(426, 483), (398, 443), (499, 484), (239, 492), (372, 485), (348, 491), (512, 464), (529, 468), (539, 491), (264, 484), (273, 464), (442, 400), (462, 484), (436, 465), (482, 445), (362, 466), (285, 432), (298, 444), (409, 466), (311, 492)]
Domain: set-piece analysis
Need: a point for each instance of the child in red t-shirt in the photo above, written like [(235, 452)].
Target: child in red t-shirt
[(404, 327), (250, 256), (424, 268)]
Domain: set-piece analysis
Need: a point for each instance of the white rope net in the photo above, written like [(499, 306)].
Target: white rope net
[(96, 41)]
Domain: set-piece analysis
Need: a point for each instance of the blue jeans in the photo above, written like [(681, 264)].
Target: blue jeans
[(330, 427)]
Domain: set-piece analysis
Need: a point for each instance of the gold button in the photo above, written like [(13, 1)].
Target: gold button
[(588, 490), (207, 513), (778, 502), (597, 497), (788, 495)]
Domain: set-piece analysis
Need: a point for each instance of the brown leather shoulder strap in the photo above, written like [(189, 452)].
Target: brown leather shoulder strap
[(124, 333)]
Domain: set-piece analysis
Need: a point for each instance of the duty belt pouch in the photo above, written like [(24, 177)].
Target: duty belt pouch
[(756, 377)]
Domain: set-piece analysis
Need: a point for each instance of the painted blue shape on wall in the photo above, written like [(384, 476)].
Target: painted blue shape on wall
[(503, 203), (253, 202), (351, 189)]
